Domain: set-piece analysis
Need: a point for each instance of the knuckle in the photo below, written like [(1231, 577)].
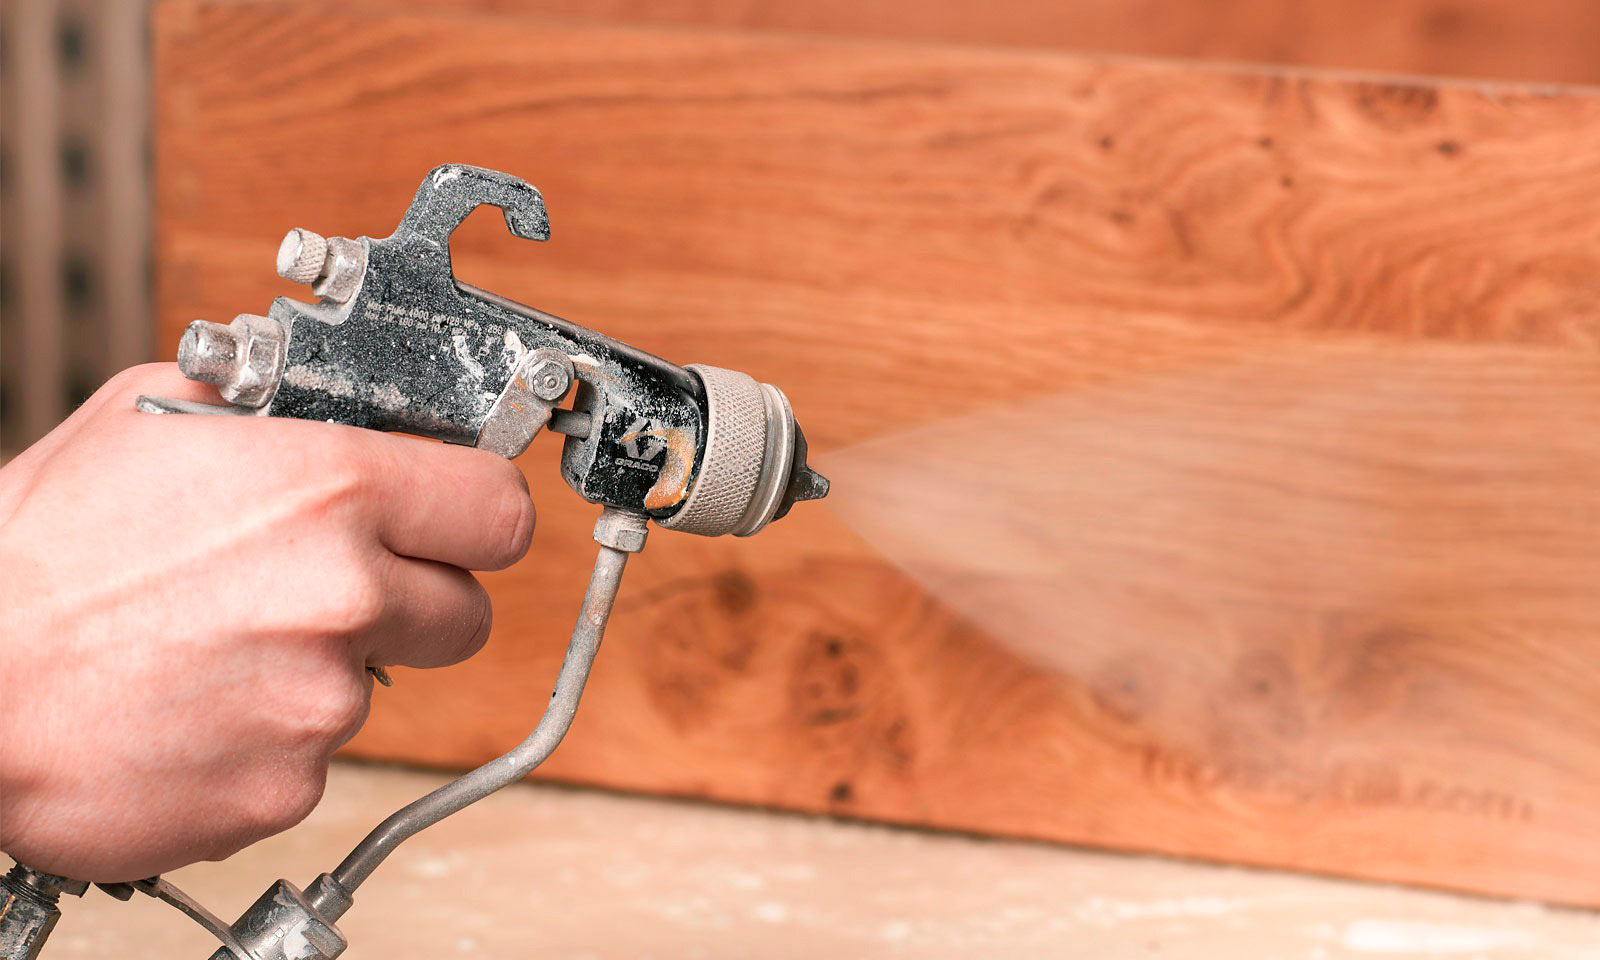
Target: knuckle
[(331, 711), (355, 602), (280, 799), (142, 376), (339, 473)]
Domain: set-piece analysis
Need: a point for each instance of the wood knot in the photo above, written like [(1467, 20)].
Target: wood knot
[(734, 591), (1397, 105)]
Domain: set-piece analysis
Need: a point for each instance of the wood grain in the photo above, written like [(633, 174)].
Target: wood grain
[(1552, 41), (1296, 567)]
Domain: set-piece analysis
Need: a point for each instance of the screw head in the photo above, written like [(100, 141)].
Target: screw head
[(548, 380)]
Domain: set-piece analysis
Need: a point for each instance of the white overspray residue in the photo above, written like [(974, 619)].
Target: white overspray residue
[(514, 351), (770, 912), (464, 354), (1410, 936), (433, 868), (321, 377), (389, 397), (297, 947)]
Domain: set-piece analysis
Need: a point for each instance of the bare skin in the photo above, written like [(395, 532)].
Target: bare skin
[(188, 606)]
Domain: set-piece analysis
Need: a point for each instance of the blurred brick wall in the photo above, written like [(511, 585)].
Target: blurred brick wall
[(75, 172)]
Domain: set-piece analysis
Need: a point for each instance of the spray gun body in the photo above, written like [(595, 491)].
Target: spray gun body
[(396, 343)]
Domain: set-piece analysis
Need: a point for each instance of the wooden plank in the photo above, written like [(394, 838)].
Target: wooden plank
[(1551, 41), (1295, 565)]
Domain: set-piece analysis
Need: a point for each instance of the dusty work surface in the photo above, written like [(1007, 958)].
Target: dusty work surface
[(546, 872)]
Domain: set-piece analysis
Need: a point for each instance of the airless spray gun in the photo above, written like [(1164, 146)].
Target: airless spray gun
[(397, 343)]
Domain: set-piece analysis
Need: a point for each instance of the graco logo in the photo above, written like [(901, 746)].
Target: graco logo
[(643, 439)]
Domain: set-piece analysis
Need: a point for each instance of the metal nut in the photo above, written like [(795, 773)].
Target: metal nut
[(621, 530), (283, 925), (208, 352), (343, 270)]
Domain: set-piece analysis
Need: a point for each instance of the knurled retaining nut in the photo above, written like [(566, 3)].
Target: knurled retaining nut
[(301, 255)]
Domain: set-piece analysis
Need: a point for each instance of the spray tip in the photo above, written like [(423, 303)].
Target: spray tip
[(808, 485)]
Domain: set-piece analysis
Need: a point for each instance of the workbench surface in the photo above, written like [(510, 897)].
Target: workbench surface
[(549, 872)]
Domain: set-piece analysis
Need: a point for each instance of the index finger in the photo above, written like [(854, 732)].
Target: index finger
[(457, 505)]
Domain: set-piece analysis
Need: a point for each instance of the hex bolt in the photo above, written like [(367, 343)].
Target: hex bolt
[(208, 352), (621, 530), (302, 255), (243, 360), (549, 380)]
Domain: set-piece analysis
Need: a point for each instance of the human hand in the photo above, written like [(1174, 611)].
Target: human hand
[(188, 605)]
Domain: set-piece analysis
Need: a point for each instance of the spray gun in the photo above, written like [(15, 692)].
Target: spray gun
[(397, 343)]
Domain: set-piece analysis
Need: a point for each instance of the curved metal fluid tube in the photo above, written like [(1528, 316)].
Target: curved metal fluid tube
[(521, 759)]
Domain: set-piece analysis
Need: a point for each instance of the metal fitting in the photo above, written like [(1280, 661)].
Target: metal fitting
[(621, 530), (342, 271), (28, 910), (243, 360), (283, 925), (334, 266), (749, 457)]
